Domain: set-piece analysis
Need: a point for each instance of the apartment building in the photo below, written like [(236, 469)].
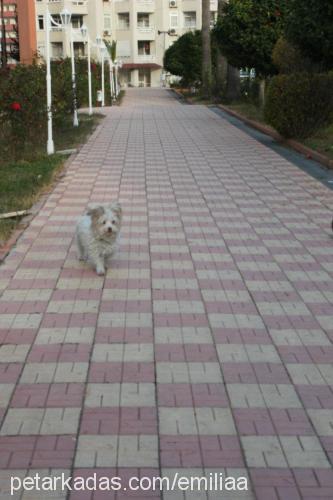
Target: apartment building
[(143, 29), (9, 31)]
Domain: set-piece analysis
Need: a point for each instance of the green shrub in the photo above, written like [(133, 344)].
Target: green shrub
[(23, 111), (298, 105)]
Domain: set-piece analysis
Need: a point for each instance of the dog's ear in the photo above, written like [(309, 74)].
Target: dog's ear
[(116, 207), (95, 211)]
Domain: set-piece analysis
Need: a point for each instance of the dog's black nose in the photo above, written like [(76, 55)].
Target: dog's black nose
[(110, 229)]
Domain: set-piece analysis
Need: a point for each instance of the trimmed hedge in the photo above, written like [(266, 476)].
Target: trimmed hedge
[(297, 105)]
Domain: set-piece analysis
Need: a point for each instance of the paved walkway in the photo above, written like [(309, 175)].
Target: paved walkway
[(207, 348)]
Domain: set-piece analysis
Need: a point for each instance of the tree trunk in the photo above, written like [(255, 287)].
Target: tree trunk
[(262, 93), (233, 84), (3, 38), (206, 50), (221, 62)]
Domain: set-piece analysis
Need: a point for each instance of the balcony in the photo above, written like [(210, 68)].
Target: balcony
[(74, 6), (145, 5), (146, 32), (145, 58)]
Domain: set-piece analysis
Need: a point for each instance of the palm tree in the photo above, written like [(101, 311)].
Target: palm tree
[(112, 49), (206, 50)]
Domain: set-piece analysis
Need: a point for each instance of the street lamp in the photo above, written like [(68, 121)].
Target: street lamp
[(85, 36), (102, 50), (65, 17), (111, 80)]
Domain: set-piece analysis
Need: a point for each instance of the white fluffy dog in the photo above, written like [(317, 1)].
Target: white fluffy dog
[(97, 232)]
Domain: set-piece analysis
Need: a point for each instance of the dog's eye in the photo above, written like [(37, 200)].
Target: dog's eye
[(113, 222)]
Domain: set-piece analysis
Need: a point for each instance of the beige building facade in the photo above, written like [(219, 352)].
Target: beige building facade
[(143, 29)]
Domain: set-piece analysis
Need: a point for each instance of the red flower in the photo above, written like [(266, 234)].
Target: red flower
[(15, 106)]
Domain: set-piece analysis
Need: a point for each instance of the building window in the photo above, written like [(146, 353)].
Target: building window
[(57, 51), (213, 19), (143, 48), (143, 20), (40, 23), (173, 19), (77, 22), (79, 49), (123, 21), (107, 22), (190, 19)]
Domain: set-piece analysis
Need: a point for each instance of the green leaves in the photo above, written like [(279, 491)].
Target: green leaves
[(248, 31), (184, 58), (310, 27)]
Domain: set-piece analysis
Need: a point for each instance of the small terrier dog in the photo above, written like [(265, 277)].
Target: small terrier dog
[(97, 232)]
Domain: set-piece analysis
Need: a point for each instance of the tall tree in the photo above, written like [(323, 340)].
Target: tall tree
[(221, 62), (206, 50), (248, 31), (310, 28)]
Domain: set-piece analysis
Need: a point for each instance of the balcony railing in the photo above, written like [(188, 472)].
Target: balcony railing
[(146, 57), (145, 29)]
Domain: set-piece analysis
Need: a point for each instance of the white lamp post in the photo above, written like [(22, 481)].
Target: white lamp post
[(112, 89), (65, 17), (99, 43), (85, 35)]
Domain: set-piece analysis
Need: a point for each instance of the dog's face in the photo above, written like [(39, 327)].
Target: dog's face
[(105, 220)]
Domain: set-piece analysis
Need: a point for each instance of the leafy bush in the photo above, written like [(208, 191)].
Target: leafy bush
[(310, 28), (23, 111), (298, 105), (184, 58), (288, 59)]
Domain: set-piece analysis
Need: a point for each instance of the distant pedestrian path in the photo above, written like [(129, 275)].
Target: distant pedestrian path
[(206, 349)]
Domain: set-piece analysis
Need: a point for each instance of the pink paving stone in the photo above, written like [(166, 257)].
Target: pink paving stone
[(10, 307), (180, 451), (59, 353), (10, 372), (48, 395), (221, 451), (185, 352), (306, 354), (140, 306), (165, 319), (176, 295), (315, 396), (261, 422), (28, 284), (192, 395), (21, 452), (210, 284), (126, 335), (121, 372), (89, 294), (127, 284), (241, 336), (255, 373), (127, 421)]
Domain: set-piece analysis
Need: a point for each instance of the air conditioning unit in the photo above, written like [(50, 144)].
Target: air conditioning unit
[(107, 32), (172, 3), (172, 32)]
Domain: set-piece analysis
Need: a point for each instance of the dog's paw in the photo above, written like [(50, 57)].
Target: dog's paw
[(100, 271)]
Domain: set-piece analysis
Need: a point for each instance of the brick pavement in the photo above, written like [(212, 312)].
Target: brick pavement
[(208, 345)]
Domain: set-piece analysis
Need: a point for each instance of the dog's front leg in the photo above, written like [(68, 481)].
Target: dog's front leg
[(99, 265)]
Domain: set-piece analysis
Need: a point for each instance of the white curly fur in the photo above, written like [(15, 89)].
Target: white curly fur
[(97, 232)]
